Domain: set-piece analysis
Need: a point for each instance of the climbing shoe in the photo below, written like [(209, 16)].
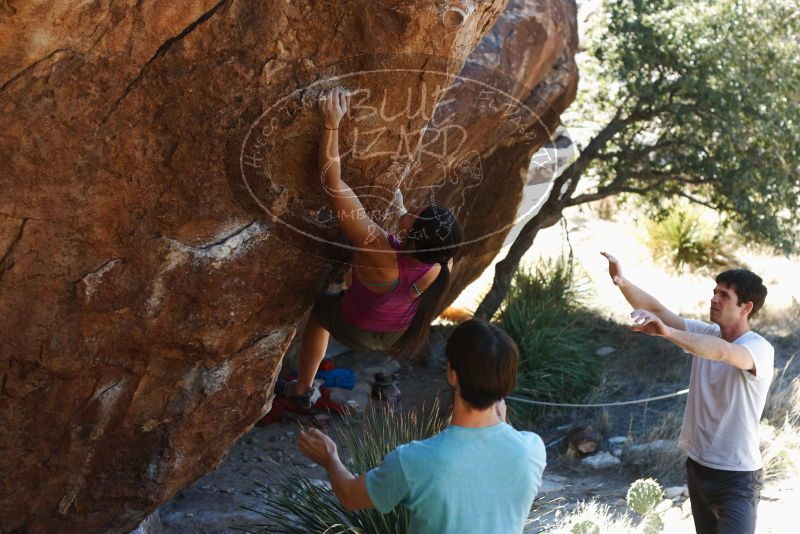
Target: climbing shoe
[(305, 400)]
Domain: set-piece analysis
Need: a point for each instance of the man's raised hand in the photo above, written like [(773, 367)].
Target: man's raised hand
[(317, 446), (614, 268), (648, 323)]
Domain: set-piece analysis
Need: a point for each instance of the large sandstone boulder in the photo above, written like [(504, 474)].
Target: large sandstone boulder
[(162, 225)]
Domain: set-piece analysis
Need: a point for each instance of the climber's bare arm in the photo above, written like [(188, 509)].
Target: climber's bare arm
[(359, 229), (640, 299)]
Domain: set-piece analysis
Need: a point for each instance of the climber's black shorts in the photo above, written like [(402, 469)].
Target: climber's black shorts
[(327, 312)]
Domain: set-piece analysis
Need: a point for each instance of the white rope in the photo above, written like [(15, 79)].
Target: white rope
[(598, 405)]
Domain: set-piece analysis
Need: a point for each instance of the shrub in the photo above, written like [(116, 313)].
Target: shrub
[(297, 504), (592, 517), (545, 316), (685, 240)]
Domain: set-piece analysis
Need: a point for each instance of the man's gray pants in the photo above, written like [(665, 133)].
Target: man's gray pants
[(723, 502)]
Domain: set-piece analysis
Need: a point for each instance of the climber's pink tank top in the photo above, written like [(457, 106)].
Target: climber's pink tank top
[(385, 312)]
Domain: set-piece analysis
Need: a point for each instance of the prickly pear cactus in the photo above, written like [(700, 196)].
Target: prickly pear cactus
[(644, 495), (652, 524), (587, 526)]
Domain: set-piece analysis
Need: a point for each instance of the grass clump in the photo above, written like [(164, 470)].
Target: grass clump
[(593, 518), (545, 315), (661, 459), (297, 504), (780, 426), (683, 239)]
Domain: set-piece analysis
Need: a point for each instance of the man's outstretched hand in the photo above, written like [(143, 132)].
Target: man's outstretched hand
[(648, 323), (614, 268), (317, 446)]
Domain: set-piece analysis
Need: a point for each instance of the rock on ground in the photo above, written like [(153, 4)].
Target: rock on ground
[(601, 460)]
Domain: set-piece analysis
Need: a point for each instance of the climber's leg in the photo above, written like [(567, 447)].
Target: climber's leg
[(312, 351)]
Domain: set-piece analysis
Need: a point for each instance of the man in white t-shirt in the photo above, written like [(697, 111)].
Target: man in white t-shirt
[(732, 369)]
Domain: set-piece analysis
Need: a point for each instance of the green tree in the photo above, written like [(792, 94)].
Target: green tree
[(693, 99)]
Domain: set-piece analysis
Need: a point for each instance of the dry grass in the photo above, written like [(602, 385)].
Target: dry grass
[(664, 464), (780, 426), (592, 514)]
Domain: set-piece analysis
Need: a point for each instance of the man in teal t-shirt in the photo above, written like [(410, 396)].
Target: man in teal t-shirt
[(478, 475)]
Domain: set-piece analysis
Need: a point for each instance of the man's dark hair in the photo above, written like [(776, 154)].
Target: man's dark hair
[(485, 360), (748, 287)]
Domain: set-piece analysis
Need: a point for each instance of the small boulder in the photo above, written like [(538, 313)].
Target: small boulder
[(601, 460), (663, 506), (616, 445), (606, 351), (673, 492), (151, 525), (659, 445)]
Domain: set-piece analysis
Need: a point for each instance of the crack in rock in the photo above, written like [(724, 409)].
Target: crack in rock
[(226, 246), (92, 279), (7, 261), (163, 49)]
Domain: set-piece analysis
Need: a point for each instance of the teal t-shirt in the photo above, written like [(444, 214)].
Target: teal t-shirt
[(462, 480)]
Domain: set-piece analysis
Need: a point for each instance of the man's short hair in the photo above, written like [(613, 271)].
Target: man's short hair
[(485, 360), (748, 287)]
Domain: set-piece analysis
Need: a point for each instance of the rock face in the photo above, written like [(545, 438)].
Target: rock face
[(163, 230)]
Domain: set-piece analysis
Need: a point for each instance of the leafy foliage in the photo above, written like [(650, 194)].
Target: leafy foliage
[(701, 101), (685, 98)]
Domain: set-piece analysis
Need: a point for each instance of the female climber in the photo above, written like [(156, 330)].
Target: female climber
[(396, 283)]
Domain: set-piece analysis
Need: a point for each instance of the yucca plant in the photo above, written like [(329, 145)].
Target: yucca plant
[(685, 240), (545, 315), (298, 505)]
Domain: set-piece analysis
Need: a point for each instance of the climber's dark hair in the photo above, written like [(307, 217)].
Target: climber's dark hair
[(437, 236)]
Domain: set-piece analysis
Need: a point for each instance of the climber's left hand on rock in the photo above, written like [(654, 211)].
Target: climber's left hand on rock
[(334, 104)]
